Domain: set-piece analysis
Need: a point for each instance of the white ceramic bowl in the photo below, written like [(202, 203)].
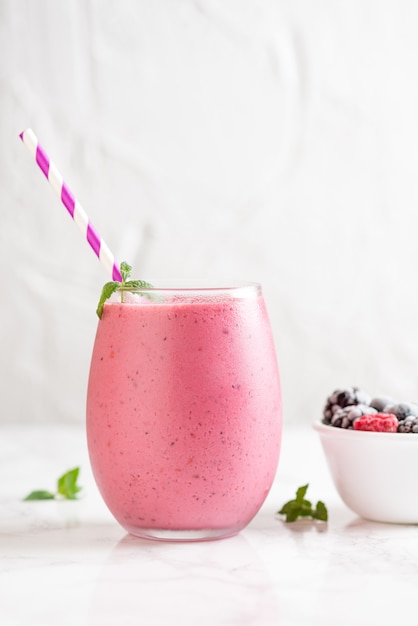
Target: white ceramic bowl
[(375, 474)]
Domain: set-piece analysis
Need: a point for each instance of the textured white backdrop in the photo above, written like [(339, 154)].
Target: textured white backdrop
[(271, 140)]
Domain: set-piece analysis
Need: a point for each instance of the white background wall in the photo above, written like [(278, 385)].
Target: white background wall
[(270, 140)]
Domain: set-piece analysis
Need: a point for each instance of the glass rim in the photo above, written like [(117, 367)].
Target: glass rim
[(192, 285)]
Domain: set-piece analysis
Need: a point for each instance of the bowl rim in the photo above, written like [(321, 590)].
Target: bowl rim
[(333, 431)]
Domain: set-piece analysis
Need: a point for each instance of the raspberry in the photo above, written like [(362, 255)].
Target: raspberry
[(377, 422)]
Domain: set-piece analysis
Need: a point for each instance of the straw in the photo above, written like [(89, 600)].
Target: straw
[(72, 205)]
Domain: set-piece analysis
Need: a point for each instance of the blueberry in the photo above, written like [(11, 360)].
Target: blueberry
[(379, 403), (401, 410), (413, 408), (414, 405)]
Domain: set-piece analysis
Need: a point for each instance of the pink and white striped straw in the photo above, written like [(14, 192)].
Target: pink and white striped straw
[(72, 205)]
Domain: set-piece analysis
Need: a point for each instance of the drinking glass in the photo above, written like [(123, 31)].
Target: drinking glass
[(184, 409)]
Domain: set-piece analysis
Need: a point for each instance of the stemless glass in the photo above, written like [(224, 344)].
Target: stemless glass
[(184, 409)]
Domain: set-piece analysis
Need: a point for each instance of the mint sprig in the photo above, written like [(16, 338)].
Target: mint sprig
[(67, 488), (300, 507), (126, 285)]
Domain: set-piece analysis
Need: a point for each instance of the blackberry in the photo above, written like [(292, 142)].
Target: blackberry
[(329, 411), (340, 417), (344, 417), (362, 397), (408, 425), (341, 398)]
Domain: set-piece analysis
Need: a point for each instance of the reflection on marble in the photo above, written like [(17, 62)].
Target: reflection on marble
[(69, 563), (224, 582)]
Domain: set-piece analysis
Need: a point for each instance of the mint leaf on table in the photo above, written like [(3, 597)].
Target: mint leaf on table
[(67, 484), (40, 495), (300, 507), (321, 512), (67, 488), (127, 285)]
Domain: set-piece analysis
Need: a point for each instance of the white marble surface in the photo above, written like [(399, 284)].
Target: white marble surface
[(69, 563)]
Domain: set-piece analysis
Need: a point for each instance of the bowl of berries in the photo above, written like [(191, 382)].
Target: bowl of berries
[(371, 448)]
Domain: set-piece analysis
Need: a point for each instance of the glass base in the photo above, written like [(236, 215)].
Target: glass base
[(172, 535)]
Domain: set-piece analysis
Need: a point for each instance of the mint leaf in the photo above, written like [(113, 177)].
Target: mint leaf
[(321, 512), (127, 285), (66, 488), (107, 291), (40, 495), (301, 492), (137, 284), (300, 507), (67, 484), (125, 270)]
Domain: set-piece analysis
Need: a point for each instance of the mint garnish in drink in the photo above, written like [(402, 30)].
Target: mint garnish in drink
[(299, 507), (67, 488), (127, 285)]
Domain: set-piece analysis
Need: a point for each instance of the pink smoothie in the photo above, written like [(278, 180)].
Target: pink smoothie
[(184, 412)]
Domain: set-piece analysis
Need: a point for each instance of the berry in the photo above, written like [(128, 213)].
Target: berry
[(351, 408), (377, 422), (362, 397), (342, 398), (344, 417), (401, 410), (340, 417), (379, 403), (408, 425)]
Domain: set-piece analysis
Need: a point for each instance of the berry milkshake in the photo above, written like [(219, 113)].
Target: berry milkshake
[(184, 411)]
